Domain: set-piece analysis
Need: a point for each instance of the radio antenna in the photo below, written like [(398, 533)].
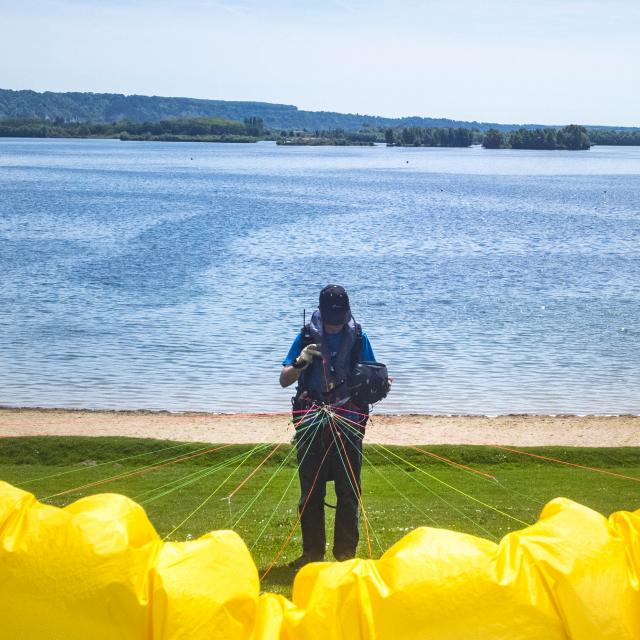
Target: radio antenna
[(304, 317)]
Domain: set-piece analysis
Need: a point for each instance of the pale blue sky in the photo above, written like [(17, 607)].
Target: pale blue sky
[(542, 61)]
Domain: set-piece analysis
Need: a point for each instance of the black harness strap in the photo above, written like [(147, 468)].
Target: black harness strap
[(356, 350)]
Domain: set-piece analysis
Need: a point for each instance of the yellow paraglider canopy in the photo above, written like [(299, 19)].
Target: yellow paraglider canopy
[(98, 569)]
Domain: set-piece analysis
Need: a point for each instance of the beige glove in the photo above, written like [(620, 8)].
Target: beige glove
[(307, 355)]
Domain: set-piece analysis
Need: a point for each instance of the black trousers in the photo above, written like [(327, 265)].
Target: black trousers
[(329, 452)]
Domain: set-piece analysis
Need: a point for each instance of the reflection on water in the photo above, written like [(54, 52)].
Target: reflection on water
[(173, 276)]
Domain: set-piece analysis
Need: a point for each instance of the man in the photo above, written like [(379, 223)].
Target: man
[(329, 426)]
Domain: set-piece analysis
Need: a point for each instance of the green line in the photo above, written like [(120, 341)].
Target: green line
[(293, 477), (261, 491), (439, 497), (399, 492), (449, 486), (270, 479), (357, 493), (122, 476), (194, 476), (100, 464), (210, 495)]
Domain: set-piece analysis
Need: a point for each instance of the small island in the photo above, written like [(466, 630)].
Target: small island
[(570, 138), (251, 129)]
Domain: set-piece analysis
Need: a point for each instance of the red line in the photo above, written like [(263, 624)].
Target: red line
[(451, 462), (295, 526), (349, 410), (570, 464), (253, 472), (356, 487), (135, 473), (230, 416)]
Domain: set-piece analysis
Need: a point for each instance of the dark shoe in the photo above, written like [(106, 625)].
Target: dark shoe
[(341, 557), (298, 563)]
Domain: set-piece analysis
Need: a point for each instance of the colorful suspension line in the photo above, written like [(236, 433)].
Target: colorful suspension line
[(463, 493), (351, 476), (520, 494), (244, 458), (128, 474), (535, 501), (395, 488), (194, 476), (452, 506), (101, 464), (199, 475), (424, 486), (209, 497), (305, 433), (479, 473), (306, 439), (569, 464), (253, 472), (262, 489), (297, 523), (319, 413), (453, 463), (400, 493)]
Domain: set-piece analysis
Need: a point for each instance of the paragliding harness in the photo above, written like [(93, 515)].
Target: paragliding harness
[(303, 400), (362, 384), (338, 397)]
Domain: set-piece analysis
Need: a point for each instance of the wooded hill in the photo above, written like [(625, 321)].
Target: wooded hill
[(113, 107)]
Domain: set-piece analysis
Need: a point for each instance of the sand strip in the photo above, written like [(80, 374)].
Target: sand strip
[(516, 430)]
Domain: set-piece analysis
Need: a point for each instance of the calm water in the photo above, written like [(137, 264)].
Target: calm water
[(173, 276)]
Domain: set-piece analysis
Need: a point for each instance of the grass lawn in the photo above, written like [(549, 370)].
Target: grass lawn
[(185, 488)]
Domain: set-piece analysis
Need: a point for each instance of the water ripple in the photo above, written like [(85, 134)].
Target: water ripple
[(166, 276)]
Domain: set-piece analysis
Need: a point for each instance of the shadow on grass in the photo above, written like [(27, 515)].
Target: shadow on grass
[(279, 580)]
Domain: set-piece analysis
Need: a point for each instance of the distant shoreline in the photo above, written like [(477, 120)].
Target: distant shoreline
[(404, 429), (570, 138), (288, 144), (189, 412)]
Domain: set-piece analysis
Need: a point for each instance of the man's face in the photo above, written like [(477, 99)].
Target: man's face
[(333, 328)]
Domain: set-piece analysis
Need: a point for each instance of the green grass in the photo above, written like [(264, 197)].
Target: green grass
[(402, 488)]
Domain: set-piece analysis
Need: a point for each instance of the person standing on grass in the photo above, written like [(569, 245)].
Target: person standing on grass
[(321, 359)]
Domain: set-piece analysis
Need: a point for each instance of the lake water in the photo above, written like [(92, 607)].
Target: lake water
[(174, 276)]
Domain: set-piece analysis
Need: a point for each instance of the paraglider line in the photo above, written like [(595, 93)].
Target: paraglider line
[(398, 491), (450, 486), (295, 526), (351, 476), (569, 464), (306, 438), (261, 491), (195, 476), (128, 474), (178, 526), (101, 464), (453, 463), (233, 493), (452, 506)]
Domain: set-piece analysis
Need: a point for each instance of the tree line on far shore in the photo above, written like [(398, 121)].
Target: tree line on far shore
[(366, 137), (573, 137), (614, 137), (180, 129), (429, 137), (252, 129)]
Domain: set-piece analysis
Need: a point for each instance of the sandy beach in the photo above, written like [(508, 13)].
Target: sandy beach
[(515, 430)]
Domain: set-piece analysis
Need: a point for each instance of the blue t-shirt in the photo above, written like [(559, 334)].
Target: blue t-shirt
[(333, 342)]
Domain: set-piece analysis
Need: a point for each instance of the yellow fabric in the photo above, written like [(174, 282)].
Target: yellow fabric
[(97, 569)]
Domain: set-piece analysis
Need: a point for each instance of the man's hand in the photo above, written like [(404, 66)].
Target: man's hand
[(308, 354), (290, 374)]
